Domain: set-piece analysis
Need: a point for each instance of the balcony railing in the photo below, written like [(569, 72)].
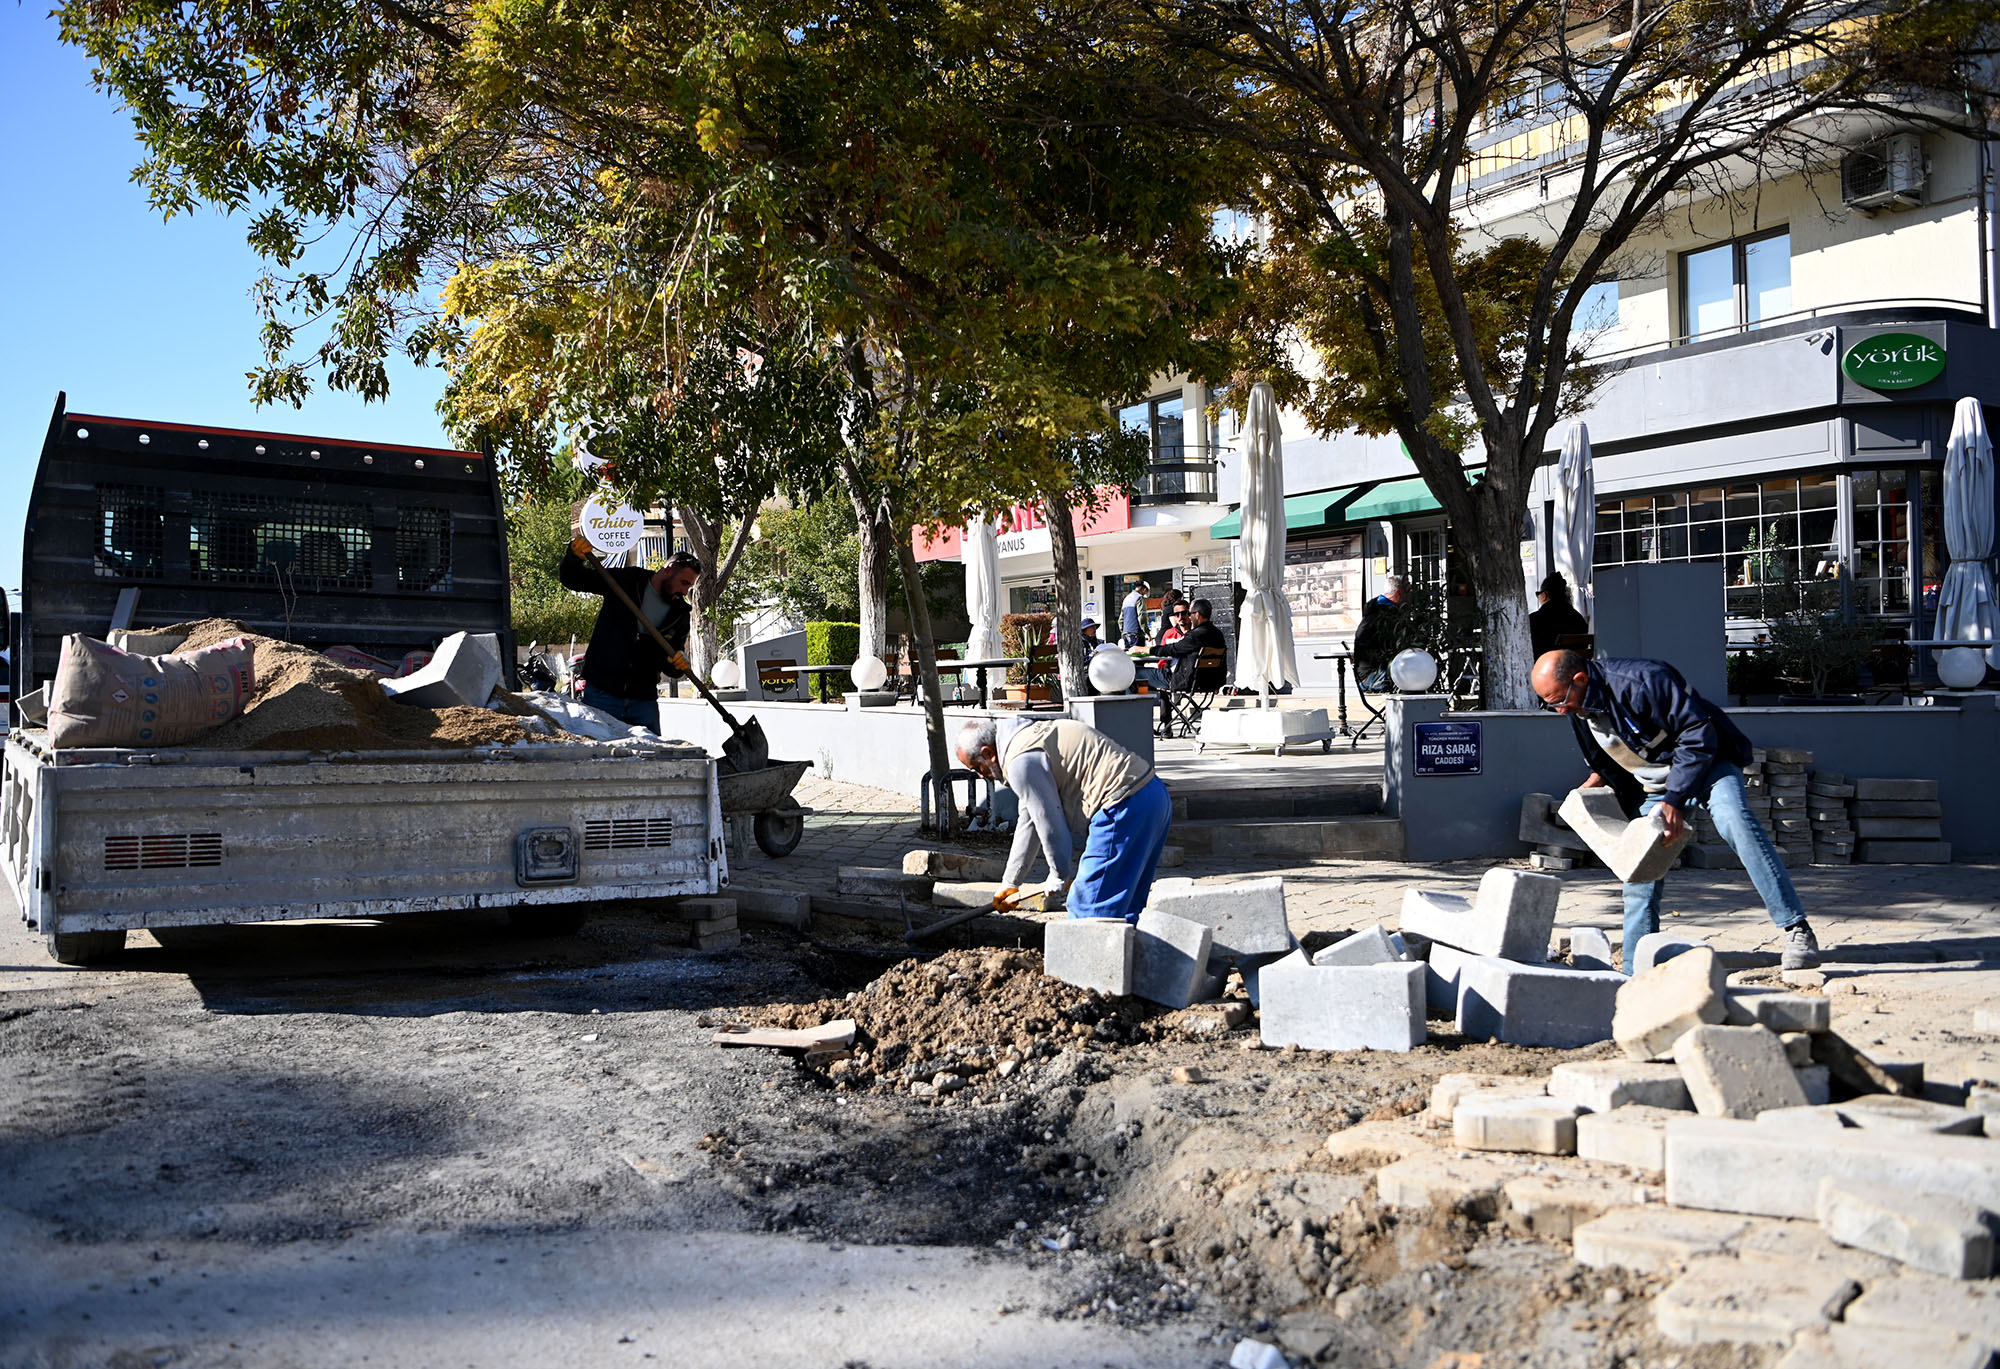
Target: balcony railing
[(1183, 474)]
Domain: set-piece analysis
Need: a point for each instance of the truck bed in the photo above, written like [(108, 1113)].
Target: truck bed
[(114, 840)]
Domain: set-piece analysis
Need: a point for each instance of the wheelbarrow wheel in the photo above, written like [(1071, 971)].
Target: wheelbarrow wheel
[(778, 830)]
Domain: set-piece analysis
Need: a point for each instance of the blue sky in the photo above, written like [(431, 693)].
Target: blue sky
[(130, 315)]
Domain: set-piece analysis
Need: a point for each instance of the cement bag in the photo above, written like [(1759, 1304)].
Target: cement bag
[(106, 697)]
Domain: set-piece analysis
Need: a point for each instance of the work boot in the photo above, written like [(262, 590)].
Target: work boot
[(1801, 947)]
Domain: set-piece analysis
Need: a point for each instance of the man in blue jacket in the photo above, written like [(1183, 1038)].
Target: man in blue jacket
[(1662, 747)]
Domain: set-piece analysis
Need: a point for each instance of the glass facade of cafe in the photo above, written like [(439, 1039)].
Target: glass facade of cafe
[(1879, 528)]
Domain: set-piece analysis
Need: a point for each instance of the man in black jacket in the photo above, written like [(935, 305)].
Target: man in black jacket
[(1185, 651), (1662, 746), (1375, 639), (623, 664)]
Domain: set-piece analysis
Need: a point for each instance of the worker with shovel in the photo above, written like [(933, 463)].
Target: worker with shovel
[(1070, 777), (626, 657)]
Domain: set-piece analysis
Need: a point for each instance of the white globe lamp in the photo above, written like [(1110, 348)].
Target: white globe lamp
[(868, 673), (1993, 656), (726, 674), (1413, 671), (1961, 667), (1111, 670)]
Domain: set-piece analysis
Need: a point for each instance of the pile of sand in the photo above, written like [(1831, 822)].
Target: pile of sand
[(306, 702)]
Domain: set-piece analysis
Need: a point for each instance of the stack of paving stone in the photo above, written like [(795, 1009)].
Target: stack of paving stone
[(1708, 851), (710, 922), (1786, 771), (1899, 822), (1826, 806)]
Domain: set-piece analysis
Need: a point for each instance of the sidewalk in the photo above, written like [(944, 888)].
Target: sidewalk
[(1910, 950)]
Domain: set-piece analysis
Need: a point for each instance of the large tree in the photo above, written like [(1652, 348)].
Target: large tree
[(1426, 315)]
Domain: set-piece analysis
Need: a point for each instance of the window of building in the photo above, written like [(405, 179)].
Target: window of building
[(1762, 533), (1736, 285), (1881, 542), (1428, 553), (1178, 473)]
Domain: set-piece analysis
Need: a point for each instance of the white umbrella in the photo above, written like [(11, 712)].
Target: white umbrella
[(1265, 655), (1966, 611), (1576, 517), (982, 591)]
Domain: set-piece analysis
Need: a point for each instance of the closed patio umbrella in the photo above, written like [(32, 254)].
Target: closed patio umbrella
[(982, 590), (1265, 655), (1575, 532), (1966, 611)]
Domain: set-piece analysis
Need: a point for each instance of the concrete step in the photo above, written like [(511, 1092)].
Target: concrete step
[(1369, 836), (1325, 800)]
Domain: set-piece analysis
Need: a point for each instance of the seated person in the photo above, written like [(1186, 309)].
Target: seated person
[(1375, 639), (1173, 625), (1184, 652)]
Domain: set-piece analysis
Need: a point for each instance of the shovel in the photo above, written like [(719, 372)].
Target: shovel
[(746, 749)]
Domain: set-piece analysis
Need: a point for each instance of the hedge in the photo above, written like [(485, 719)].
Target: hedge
[(831, 644)]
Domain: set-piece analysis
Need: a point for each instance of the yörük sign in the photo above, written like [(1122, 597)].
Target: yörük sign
[(1449, 748), (1894, 361)]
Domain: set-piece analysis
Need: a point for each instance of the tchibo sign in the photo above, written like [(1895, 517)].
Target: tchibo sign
[(611, 528), (1894, 361)]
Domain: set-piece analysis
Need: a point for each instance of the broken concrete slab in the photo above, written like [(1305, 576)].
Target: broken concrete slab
[(1854, 1071), (1536, 1126), (1541, 827), (1601, 1085), (1637, 851), (1935, 1232), (777, 907), (1470, 1185), (1170, 959), (1816, 1080), (1248, 915), (704, 908), (1656, 1007), (1657, 948), (1511, 916), (1536, 1005), (1708, 1159), (1342, 1007), (1888, 1112), (1915, 1304), (954, 865), (870, 881), (1375, 945), (1841, 1346), (462, 674), (1651, 1240), (1550, 1207), (1722, 1299), (1736, 1071), (1777, 1010), (1634, 1136), (1798, 1048), (1590, 949), (1091, 953), (1783, 1240), (1450, 1089), (969, 894), (1446, 966)]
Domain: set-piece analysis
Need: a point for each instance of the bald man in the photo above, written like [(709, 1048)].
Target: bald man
[(1663, 747)]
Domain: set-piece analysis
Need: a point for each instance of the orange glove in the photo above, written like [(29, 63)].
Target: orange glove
[(1003, 902), (581, 546)]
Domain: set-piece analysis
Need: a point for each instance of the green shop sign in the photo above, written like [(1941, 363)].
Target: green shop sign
[(1894, 361)]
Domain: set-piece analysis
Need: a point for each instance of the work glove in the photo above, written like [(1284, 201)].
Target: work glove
[(580, 545), (1003, 902), (679, 661)]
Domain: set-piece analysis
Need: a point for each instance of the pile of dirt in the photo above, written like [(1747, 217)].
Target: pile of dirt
[(962, 1017), (306, 702)]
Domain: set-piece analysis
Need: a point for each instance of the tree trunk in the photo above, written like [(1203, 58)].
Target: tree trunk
[(932, 693), (1072, 661), (717, 565), (1492, 548), (879, 547)]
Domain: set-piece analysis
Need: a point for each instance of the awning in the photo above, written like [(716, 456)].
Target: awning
[(1393, 499), (1302, 512)]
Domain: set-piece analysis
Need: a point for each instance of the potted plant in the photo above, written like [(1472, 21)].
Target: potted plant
[(1026, 635), (1816, 645)]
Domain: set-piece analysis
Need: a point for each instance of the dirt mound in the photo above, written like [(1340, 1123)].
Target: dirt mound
[(964, 1014), (306, 702)]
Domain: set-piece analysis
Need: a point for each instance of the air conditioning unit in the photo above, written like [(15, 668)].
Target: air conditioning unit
[(1884, 175)]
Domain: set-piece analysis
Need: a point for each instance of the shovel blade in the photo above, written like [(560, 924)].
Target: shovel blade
[(746, 749)]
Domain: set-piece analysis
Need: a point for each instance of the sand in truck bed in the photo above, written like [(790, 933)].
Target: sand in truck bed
[(304, 701)]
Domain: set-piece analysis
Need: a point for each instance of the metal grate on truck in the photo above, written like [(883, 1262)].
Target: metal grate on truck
[(162, 850)]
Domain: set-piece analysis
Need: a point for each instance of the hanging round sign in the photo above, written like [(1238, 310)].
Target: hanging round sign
[(1894, 361), (611, 528)]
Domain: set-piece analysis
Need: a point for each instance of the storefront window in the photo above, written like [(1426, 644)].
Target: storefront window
[(1427, 556), (1762, 533), (1323, 585), (1881, 543)]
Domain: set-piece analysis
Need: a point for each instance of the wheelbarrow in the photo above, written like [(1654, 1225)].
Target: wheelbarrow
[(767, 792)]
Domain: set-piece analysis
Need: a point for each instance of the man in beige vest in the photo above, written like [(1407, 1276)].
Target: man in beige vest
[(1071, 777)]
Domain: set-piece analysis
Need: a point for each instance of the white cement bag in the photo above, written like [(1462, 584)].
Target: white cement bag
[(106, 697)]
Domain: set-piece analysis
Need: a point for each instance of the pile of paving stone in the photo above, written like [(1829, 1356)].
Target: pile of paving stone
[(1832, 824), (1899, 822), (1799, 1193)]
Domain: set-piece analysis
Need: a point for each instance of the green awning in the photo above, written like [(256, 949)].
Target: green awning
[(1393, 499), (1302, 512)]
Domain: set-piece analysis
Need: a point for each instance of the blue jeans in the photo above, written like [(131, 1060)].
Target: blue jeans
[(1114, 875), (639, 712), (1721, 793)]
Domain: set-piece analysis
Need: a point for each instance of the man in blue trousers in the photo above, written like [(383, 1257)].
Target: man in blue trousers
[(1072, 778), (1662, 746)]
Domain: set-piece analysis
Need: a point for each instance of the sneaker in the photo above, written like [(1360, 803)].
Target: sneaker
[(1801, 947)]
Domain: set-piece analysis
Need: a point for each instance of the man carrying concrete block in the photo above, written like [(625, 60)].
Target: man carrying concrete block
[(1071, 776), (1661, 747)]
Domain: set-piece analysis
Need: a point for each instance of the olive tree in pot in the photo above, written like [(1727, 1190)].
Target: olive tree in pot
[(1815, 644)]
